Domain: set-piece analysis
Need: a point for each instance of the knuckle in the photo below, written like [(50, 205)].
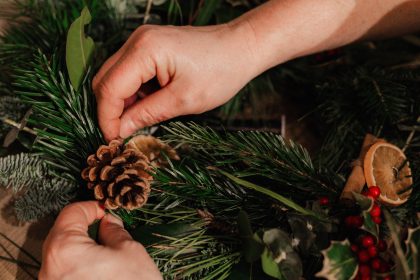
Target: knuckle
[(102, 90), (146, 35)]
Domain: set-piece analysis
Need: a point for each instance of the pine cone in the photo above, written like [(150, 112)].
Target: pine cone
[(120, 175)]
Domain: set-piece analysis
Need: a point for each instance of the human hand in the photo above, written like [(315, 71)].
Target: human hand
[(69, 253), (198, 69)]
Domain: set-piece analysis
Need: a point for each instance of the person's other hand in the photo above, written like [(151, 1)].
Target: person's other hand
[(69, 253), (198, 69)]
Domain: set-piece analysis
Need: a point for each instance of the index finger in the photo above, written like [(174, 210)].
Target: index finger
[(77, 217), (121, 82)]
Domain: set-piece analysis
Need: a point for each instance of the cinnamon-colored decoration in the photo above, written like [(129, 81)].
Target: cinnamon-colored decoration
[(120, 175), (357, 180)]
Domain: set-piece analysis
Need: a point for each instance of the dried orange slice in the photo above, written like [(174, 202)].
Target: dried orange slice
[(386, 166)]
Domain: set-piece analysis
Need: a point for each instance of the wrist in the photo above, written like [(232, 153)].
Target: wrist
[(247, 56), (262, 50)]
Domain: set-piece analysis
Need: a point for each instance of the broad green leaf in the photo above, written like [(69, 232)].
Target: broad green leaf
[(269, 265), (251, 244), (79, 49), (279, 259), (339, 262)]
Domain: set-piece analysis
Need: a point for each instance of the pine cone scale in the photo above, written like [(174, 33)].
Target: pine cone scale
[(120, 175)]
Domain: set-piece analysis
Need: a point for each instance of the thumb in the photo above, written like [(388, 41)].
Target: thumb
[(160, 106), (112, 232)]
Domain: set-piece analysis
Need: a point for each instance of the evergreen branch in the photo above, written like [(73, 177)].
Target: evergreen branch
[(48, 197), (410, 136), (271, 194), (67, 130), (22, 170), (251, 153)]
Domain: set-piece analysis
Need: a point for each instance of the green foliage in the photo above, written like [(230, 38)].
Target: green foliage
[(21, 171), (279, 259), (79, 49), (339, 262), (250, 154), (47, 197), (40, 191), (65, 120)]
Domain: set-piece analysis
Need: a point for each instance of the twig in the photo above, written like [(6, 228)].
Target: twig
[(410, 136), (147, 13), (17, 125)]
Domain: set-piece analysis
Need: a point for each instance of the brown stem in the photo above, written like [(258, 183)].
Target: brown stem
[(356, 180)]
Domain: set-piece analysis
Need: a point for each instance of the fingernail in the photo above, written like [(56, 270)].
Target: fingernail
[(127, 128)]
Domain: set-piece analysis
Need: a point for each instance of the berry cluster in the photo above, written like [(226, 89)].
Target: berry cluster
[(366, 247), (368, 252)]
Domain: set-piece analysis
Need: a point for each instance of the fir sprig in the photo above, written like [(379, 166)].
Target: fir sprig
[(65, 119), (251, 153), (40, 191)]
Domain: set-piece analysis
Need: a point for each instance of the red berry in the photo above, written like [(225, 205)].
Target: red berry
[(382, 245), (367, 241), (358, 221), (388, 277), (377, 220), (374, 192), (375, 211), (363, 256), (354, 248), (353, 221), (364, 270), (324, 201), (366, 277), (373, 251), (375, 264)]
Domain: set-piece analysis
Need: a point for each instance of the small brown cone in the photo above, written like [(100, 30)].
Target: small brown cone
[(120, 175)]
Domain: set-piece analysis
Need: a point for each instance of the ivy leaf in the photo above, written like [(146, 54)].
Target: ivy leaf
[(366, 204), (279, 259), (339, 262), (79, 49)]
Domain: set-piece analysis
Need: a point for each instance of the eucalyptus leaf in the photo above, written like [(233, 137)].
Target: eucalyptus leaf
[(79, 49), (269, 265), (279, 259)]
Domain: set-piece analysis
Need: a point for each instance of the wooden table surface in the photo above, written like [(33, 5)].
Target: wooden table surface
[(27, 236)]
